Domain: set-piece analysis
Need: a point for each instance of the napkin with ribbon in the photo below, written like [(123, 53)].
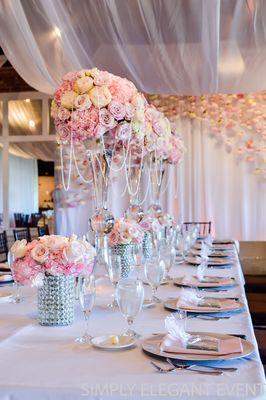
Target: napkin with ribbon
[(179, 341), (191, 299), (201, 269)]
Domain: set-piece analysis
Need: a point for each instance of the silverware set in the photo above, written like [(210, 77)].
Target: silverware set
[(178, 365)]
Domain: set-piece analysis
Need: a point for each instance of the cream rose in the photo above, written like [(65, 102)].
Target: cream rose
[(68, 99), (40, 253), (19, 248), (82, 102), (100, 96), (54, 242), (75, 251), (83, 85)]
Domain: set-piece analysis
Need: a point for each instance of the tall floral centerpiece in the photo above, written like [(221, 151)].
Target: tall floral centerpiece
[(124, 235), (106, 113), (51, 263), (163, 147)]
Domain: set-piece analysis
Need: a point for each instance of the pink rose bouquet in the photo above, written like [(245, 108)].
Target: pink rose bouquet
[(125, 231), (91, 102), (51, 255), (150, 224)]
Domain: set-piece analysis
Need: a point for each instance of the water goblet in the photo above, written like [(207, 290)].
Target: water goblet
[(130, 297), (87, 293), (114, 272), (154, 273), (10, 260), (167, 254)]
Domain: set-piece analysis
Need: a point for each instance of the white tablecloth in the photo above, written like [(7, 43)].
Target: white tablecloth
[(44, 362)]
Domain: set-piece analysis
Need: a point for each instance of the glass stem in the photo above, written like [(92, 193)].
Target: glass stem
[(17, 297), (154, 290), (130, 323), (86, 316)]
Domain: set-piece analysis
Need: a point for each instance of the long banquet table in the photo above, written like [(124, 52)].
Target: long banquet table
[(45, 363)]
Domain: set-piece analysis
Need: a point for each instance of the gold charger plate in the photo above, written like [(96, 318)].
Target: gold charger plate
[(171, 305), (179, 282), (152, 346), (215, 262)]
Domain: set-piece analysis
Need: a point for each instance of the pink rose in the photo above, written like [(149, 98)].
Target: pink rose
[(123, 131), (70, 76), (102, 78), (63, 113), (40, 253), (82, 102), (122, 90), (117, 109), (145, 225), (63, 132), (113, 238), (106, 118), (129, 112)]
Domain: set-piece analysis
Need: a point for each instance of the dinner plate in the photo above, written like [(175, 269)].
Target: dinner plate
[(151, 345), (171, 305), (179, 282), (214, 254), (107, 342), (148, 303), (211, 263), (4, 267), (217, 247), (223, 241)]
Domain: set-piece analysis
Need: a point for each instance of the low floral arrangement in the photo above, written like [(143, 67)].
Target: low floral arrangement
[(125, 231), (91, 102), (51, 255), (150, 224), (166, 220)]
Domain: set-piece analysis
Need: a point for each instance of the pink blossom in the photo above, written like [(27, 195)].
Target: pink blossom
[(63, 113), (63, 132), (70, 76), (102, 78), (106, 118), (123, 131), (117, 109), (145, 225)]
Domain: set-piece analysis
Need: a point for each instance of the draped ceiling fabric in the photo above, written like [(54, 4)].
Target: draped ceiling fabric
[(172, 47)]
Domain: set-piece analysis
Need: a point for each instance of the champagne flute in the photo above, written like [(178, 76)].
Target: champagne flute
[(167, 254), (114, 272), (154, 273), (10, 260), (87, 293), (130, 296)]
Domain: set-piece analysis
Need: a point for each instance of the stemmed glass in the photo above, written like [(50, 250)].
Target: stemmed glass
[(114, 272), (10, 261), (130, 296), (154, 273), (167, 254), (87, 293), (139, 260)]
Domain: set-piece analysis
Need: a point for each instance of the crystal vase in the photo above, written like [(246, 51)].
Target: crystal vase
[(156, 173), (56, 300), (125, 251), (134, 211), (102, 221)]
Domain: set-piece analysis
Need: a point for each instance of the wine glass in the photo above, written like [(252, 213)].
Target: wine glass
[(87, 293), (130, 296), (114, 272), (10, 260), (167, 254), (154, 273)]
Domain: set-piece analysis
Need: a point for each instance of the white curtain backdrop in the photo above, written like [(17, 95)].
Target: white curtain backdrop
[(209, 185), (163, 46), (23, 185)]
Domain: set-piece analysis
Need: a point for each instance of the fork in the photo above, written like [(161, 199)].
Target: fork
[(161, 369), (183, 364), (192, 368)]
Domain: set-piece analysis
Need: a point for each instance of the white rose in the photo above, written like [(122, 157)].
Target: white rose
[(54, 242), (75, 251), (40, 253), (37, 281), (19, 249), (134, 233), (68, 99), (83, 85)]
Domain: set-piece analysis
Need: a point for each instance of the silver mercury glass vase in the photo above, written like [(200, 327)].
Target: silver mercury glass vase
[(56, 299), (125, 251)]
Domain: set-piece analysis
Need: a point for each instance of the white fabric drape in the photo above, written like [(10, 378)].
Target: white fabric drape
[(209, 185), (23, 186), (173, 46)]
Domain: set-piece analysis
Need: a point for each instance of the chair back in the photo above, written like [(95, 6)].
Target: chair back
[(204, 227), (43, 230), (3, 246), (20, 234)]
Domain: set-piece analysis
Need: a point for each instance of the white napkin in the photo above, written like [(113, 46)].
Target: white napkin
[(201, 270), (204, 252), (208, 240), (190, 296), (175, 324)]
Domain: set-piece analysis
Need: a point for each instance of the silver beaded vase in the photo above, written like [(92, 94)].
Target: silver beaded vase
[(125, 251), (56, 300), (147, 245)]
